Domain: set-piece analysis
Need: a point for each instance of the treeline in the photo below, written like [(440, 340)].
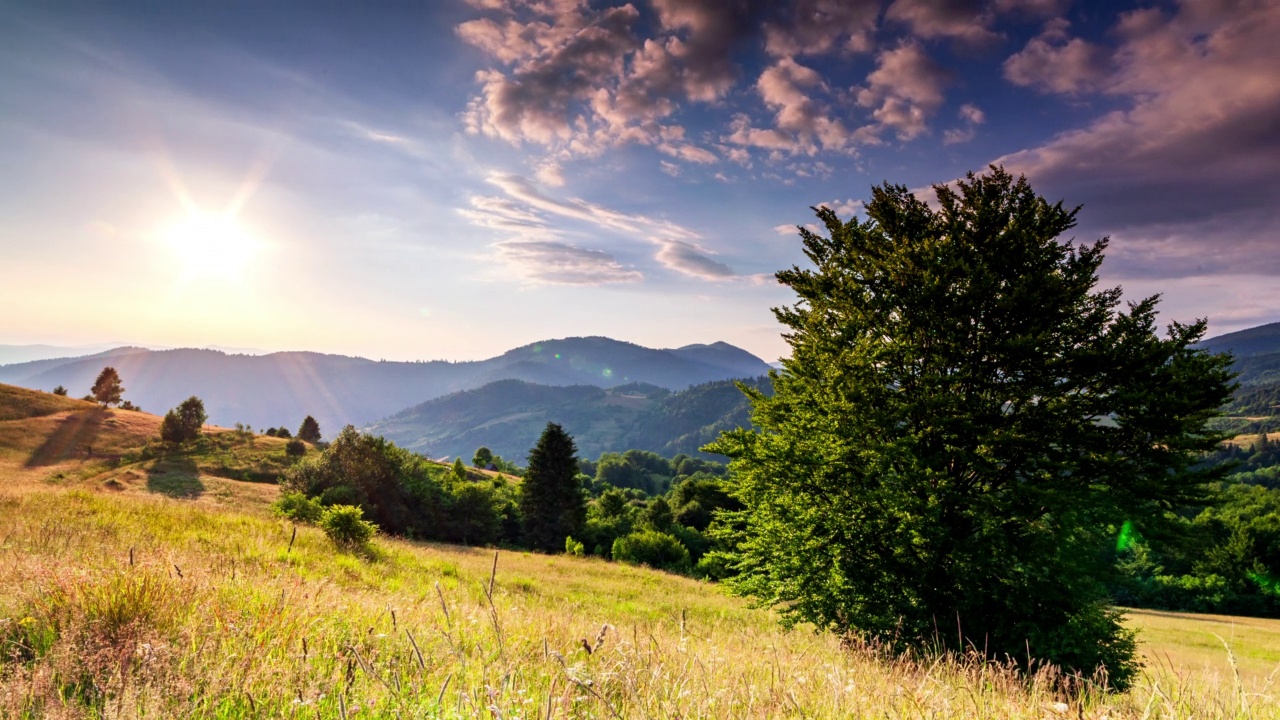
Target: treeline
[(635, 507), (1220, 557)]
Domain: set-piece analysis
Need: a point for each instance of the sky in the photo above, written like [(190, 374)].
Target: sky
[(448, 180)]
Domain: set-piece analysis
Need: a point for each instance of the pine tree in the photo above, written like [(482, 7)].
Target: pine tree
[(309, 430), (107, 388), (963, 426), (550, 497)]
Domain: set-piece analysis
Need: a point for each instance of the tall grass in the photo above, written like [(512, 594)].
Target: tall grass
[(128, 606)]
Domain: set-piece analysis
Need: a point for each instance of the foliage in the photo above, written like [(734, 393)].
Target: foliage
[(60, 391), (183, 423), (346, 527), (961, 428), (309, 431), (459, 470), (655, 549), (551, 500), (107, 389), (295, 448), (573, 547), (483, 458), (299, 507)]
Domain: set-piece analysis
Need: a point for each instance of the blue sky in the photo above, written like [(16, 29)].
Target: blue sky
[(452, 179)]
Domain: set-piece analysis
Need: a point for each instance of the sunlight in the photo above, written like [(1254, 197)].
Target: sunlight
[(212, 246)]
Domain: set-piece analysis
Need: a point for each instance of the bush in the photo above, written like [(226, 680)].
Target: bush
[(346, 527), (573, 547), (298, 507), (60, 391), (655, 549), (295, 448), (183, 423)]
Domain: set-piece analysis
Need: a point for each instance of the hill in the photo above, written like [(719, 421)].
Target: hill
[(131, 600), (282, 388), (507, 416)]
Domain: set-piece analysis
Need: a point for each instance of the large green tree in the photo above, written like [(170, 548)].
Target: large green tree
[(184, 422), (107, 389), (963, 425), (551, 500), (309, 430)]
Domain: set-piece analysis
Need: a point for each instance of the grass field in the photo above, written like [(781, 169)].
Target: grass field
[(143, 601)]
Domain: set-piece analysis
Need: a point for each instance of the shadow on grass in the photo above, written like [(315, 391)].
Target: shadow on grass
[(75, 434), (175, 477)]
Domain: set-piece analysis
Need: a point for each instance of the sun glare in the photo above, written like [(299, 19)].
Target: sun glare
[(213, 246)]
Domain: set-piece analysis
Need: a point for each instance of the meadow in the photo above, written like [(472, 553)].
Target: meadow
[(135, 586)]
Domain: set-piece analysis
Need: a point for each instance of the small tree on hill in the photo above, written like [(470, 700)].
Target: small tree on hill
[(963, 427), (550, 498), (483, 458), (459, 470), (183, 423), (60, 391), (309, 430), (107, 388)]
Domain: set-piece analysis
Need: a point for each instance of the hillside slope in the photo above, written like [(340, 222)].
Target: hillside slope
[(282, 388), (508, 416)]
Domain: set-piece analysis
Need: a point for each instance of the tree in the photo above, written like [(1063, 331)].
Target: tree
[(459, 470), (962, 428), (60, 391), (309, 430), (550, 498), (183, 423), (107, 388), (483, 458)]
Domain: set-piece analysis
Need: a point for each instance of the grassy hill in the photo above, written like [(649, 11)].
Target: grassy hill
[(508, 416), (142, 602)]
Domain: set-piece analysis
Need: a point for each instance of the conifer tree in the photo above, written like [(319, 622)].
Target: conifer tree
[(962, 428), (309, 430), (550, 497)]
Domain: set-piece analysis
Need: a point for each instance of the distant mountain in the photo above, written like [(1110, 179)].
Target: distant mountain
[(282, 388), (1257, 352), (508, 416), (11, 354)]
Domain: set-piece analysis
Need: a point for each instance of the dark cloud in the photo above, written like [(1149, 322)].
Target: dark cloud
[(1192, 167), (1056, 62), (965, 21), (691, 260)]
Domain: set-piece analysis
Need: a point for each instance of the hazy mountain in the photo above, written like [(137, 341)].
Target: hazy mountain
[(507, 416), (281, 388), (12, 354), (1257, 352)]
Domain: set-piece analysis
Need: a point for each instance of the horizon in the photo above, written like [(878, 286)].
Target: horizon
[(455, 181)]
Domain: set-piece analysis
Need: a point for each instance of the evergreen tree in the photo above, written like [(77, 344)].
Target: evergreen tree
[(962, 428), (459, 470), (107, 388), (309, 430), (550, 498)]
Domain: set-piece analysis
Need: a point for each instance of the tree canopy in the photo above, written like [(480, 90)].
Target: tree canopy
[(551, 497), (107, 389), (183, 423), (963, 426)]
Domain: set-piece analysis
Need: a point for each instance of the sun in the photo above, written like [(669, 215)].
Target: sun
[(212, 246)]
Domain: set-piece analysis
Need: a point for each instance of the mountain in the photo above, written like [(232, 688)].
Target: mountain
[(507, 416), (13, 354), (282, 388), (1257, 352)]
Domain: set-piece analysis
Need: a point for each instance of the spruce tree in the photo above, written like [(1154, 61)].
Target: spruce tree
[(962, 428), (309, 430), (550, 497)]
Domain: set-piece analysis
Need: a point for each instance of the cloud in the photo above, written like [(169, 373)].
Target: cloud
[(1192, 165), (560, 263), (817, 27), (1055, 62), (904, 90), (689, 259), (972, 117), (965, 21), (802, 123)]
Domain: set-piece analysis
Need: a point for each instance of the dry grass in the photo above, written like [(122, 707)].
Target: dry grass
[(136, 602)]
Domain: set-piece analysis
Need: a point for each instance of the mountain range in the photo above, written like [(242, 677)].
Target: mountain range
[(282, 388)]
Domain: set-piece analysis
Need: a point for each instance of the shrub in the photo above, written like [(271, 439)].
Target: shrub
[(299, 507), (60, 391), (346, 527), (655, 549), (573, 547), (295, 448)]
